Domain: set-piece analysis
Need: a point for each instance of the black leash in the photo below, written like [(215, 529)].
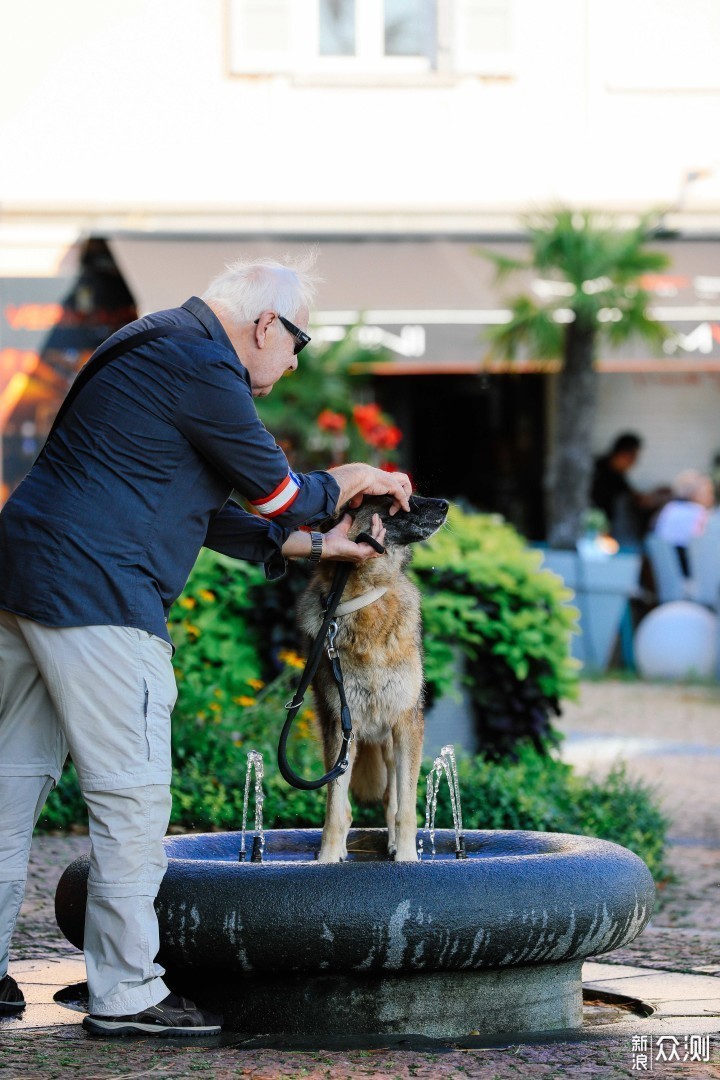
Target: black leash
[(328, 631)]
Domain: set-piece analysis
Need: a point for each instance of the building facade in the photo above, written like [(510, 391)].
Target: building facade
[(149, 140)]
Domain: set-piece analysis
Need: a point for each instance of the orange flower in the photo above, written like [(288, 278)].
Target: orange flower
[(291, 658), (331, 421), (243, 699)]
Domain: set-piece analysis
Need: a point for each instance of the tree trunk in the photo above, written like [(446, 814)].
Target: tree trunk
[(569, 473)]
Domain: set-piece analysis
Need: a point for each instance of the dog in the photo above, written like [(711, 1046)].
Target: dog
[(380, 651)]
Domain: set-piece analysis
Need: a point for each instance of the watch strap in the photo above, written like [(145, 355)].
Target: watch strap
[(316, 547)]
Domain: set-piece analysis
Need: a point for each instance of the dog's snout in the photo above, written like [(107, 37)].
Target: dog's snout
[(418, 503)]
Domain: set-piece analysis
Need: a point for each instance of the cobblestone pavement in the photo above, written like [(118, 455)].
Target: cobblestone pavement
[(669, 736)]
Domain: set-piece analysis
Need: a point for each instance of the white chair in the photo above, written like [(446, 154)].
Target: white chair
[(704, 561), (670, 582)]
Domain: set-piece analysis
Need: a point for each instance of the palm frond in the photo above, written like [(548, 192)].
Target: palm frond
[(504, 265), (636, 322), (532, 328), (604, 261)]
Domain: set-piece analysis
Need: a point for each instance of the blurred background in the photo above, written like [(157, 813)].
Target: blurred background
[(147, 142)]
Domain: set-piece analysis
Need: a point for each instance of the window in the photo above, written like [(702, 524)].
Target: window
[(337, 28), (369, 37)]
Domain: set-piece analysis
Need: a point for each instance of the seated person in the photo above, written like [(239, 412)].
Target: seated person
[(686, 515)]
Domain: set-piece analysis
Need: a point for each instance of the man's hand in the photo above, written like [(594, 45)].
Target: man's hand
[(358, 480), (337, 547)]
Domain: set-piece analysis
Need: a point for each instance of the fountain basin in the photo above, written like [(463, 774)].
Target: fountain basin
[(492, 944)]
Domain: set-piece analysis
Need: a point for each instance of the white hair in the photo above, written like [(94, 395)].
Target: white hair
[(691, 484), (250, 286)]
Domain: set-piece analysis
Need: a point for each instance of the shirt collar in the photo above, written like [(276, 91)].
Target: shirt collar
[(210, 321)]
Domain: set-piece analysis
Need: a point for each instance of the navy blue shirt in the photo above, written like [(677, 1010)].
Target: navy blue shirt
[(106, 527)]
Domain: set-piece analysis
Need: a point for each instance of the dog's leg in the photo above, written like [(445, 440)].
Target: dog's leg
[(408, 757), (338, 815), (390, 800)]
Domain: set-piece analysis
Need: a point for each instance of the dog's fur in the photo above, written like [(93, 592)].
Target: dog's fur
[(380, 653)]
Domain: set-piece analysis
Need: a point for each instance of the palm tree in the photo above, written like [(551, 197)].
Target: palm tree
[(598, 266)]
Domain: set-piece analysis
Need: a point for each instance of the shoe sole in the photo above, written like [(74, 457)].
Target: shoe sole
[(131, 1027), (11, 1008)]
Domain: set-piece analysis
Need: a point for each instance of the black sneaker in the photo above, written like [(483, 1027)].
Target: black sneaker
[(12, 1001), (173, 1016)]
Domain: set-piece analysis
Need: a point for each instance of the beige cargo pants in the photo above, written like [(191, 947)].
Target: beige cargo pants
[(105, 694)]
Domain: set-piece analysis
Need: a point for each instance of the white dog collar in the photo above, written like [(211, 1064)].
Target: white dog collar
[(364, 600)]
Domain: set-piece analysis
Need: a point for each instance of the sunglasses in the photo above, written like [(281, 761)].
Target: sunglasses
[(301, 338)]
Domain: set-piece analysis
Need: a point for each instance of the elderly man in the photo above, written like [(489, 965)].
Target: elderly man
[(95, 545)]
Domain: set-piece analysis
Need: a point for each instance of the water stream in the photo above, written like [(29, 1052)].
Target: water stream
[(444, 765), (254, 762)]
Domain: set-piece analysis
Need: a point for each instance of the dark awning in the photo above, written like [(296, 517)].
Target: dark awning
[(430, 301)]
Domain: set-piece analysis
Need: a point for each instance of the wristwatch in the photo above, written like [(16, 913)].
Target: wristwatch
[(316, 547)]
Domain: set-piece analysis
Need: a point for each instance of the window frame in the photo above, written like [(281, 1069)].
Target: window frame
[(303, 63)]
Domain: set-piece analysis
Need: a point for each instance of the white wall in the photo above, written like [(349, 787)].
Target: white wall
[(128, 102), (676, 415)]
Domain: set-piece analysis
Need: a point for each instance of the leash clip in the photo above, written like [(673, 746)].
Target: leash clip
[(331, 635)]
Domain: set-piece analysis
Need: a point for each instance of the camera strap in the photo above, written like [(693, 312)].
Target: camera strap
[(105, 355)]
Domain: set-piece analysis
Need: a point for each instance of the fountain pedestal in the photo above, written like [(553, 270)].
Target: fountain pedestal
[(491, 945)]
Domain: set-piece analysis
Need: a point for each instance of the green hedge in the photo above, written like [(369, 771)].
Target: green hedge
[(486, 598)]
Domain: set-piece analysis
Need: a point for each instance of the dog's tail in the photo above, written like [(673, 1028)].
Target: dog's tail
[(369, 775)]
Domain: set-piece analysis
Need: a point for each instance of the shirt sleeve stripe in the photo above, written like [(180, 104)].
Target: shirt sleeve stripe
[(278, 500)]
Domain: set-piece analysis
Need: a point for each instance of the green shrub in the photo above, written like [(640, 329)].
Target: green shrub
[(486, 599)]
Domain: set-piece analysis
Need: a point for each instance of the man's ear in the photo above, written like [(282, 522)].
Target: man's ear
[(261, 327)]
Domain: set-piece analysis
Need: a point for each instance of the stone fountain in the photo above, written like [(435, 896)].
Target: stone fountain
[(485, 936)]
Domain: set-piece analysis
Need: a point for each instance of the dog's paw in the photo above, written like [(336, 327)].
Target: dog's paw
[(329, 855), (406, 855)]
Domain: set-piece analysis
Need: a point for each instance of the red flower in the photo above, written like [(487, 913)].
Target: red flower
[(331, 421), (387, 437), (367, 417)]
